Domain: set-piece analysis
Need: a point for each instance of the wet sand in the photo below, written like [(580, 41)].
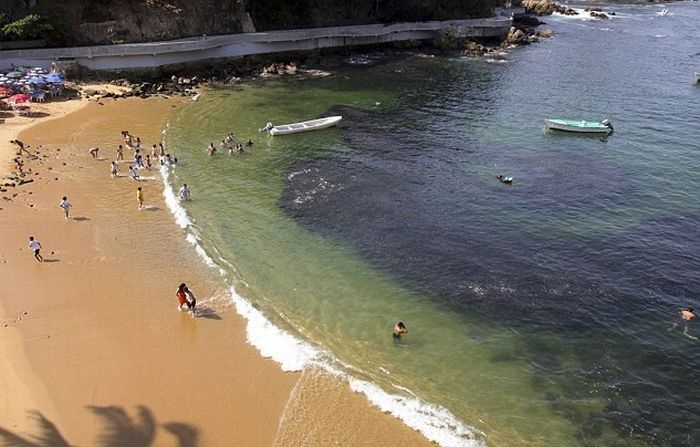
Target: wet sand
[(92, 337)]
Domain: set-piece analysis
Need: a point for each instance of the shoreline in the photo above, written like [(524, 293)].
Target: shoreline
[(112, 276)]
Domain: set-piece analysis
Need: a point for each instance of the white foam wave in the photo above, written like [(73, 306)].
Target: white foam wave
[(582, 15), (172, 202), (289, 351), (434, 422)]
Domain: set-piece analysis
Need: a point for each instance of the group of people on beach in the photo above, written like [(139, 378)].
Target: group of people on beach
[(228, 144)]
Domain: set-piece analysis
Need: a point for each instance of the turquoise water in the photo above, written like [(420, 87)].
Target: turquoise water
[(538, 313)]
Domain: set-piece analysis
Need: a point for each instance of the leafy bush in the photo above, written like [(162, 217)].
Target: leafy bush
[(31, 27)]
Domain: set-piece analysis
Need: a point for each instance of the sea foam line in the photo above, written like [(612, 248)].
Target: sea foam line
[(292, 353)]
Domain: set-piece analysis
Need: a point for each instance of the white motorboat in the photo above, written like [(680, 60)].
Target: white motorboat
[(579, 126), (304, 126)]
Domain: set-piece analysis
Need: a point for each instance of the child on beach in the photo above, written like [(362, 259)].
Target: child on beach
[(134, 175), (186, 297), (36, 247), (93, 151), (65, 204), (120, 153), (114, 169), (139, 197)]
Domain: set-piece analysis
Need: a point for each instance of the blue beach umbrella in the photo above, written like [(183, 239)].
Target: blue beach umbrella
[(37, 80), (54, 78)]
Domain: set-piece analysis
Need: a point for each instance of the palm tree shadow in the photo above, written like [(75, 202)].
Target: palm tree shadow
[(48, 435), (186, 434), (120, 430)]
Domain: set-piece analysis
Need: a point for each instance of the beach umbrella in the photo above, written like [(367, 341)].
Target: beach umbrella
[(20, 97), (4, 91), (37, 80), (54, 78), (15, 74)]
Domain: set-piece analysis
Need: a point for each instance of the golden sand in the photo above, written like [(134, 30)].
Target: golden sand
[(94, 349)]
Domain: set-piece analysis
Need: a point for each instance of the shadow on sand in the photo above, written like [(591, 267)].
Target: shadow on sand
[(119, 430)]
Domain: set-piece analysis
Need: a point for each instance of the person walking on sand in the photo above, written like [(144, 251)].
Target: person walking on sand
[(120, 153), (66, 205), (185, 297), (114, 169), (399, 329), (36, 247), (184, 192), (93, 151), (134, 175), (139, 197)]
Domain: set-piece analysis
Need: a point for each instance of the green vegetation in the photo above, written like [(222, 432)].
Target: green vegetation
[(32, 27)]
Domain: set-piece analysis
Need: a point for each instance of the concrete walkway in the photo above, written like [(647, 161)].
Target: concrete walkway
[(178, 52)]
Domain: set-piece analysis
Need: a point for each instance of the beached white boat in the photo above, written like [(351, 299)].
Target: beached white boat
[(579, 126), (304, 126)]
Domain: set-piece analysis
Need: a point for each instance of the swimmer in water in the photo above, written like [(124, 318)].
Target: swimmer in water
[(687, 315), (399, 329)]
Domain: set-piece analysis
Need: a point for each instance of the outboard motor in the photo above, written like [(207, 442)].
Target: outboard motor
[(267, 128), (606, 122)]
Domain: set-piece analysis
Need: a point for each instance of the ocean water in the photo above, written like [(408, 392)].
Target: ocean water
[(539, 313)]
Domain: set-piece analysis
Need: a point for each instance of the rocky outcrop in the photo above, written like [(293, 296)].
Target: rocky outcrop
[(86, 22), (516, 36), (127, 21), (546, 7), (599, 15)]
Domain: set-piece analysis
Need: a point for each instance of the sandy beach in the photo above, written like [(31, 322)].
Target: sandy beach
[(95, 350)]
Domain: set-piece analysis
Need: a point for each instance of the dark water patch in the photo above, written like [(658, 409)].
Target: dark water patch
[(421, 206), (425, 207)]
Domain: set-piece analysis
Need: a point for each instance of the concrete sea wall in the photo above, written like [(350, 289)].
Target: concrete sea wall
[(176, 52)]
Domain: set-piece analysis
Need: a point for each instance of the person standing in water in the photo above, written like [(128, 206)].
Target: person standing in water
[(65, 204), (184, 192), (399, 329), (687, 315)]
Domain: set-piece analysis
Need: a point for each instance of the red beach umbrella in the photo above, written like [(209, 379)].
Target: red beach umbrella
[(21, 97), (4, 91)]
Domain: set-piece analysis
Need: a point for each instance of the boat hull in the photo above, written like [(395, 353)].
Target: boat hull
[(305, 126), (586, 127)]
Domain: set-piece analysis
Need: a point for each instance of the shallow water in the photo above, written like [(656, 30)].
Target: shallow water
[(538, 312)]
